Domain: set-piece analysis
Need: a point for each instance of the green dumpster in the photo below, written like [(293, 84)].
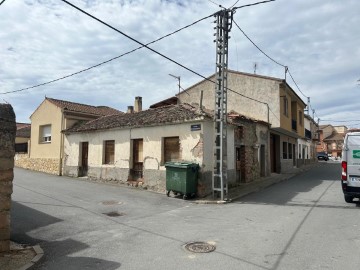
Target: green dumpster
[(181, 178)]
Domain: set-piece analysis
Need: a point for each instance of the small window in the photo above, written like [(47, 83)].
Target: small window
[(290, 151), (109, 152), (45, 134), (300, 118), (286, 106), (285, 150), (171, 149)]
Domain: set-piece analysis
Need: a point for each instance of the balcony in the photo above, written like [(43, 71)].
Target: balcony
[(307, 134)]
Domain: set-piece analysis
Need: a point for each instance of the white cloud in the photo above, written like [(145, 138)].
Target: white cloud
[(47, 39)]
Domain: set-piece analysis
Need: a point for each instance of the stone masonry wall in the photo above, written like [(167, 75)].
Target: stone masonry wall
[(47, 165), (7, 152)]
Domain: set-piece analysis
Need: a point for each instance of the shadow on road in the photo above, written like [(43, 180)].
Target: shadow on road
[(284, 193), (56, 253)]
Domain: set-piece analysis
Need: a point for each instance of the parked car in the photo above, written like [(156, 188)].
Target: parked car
[(350, 163), (322, 156)]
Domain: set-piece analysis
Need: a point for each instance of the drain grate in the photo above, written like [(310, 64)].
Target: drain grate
[(110, 202), (114, 214), (200, 247)]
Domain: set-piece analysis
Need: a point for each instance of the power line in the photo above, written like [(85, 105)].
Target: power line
[(107, 61), (254, 4), (133, 39), (2, 2), (144, 45), (234, 4), (272, 59), (214, 3), (296, 83)]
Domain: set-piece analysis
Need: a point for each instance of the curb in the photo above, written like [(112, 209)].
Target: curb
[(39, 253)]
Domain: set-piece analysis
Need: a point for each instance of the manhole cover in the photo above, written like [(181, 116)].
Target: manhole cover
[(114, 214), (200, 247), (110, 202)]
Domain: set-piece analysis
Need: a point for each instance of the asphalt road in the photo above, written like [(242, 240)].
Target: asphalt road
[(302, 223)]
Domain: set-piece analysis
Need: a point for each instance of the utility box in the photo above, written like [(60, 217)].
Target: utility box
[(181, 178)]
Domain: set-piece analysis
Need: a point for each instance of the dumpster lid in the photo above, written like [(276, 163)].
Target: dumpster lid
[(182, 164)]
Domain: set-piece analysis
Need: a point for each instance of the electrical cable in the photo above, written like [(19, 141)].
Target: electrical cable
[(2, 2), (214, 3), (295, 83), (109, 60), (254, 4), (272, 59), (234, 4)]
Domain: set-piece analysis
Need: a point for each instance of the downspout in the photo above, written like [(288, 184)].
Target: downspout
[(61, 142)]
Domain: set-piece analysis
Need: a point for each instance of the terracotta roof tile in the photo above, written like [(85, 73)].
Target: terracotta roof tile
[(151, 117), (24, 132), (83, 108)]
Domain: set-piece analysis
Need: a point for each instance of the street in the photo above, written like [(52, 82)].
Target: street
[(301, 223)]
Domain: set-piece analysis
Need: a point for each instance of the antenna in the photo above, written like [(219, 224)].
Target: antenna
[(255, 67), (178, 78)]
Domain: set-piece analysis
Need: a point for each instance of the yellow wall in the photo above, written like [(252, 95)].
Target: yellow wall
[(285, 120), (47, 113)]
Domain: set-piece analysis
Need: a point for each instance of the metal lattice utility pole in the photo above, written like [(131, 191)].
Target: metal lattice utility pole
[(219, 179)]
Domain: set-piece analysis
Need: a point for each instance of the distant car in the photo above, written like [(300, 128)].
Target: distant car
[(322, 156)]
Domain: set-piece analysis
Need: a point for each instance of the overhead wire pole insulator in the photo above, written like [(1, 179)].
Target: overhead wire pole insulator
[(219, 179)]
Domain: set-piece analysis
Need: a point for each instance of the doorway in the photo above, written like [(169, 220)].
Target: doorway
[(83, 170), (137, 169), (240, 164)]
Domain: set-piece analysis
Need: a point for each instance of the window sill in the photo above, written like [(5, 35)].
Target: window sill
[(44, 142)]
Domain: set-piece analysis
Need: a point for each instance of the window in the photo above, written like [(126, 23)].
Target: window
[(286, 106), (171, 149), (109, 152), (285, 144), (300, 118), (45, 134), (290, 151)]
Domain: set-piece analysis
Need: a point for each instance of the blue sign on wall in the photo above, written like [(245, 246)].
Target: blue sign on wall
[(195, 127)]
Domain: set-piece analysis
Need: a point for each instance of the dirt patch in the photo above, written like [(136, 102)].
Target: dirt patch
[(18, 256)]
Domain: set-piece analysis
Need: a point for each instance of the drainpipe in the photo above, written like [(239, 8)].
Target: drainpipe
[(61, 143)]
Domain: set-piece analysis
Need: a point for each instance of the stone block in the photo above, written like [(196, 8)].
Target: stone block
[(4, 245), (6, 163), (5, 202), (4, 234), (6, 175), (6, 188), (4, 220)]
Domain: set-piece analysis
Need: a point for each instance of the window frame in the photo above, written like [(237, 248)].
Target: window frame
[(165, 155), (285, 150), (108, 153), (43, 132), (286, 106)]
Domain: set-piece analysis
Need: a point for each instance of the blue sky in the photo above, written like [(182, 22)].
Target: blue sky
[(46, 39)]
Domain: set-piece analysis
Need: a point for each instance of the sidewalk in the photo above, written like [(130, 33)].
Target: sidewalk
[(257, 185)]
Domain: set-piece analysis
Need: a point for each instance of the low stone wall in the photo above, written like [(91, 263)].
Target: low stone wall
[(47, 165), (7, 152)]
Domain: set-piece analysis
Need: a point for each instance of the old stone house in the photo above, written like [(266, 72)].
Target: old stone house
[(263, 98), (135, 147), (46, 140)]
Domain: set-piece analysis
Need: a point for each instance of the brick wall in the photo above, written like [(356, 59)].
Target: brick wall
[(7, 152)]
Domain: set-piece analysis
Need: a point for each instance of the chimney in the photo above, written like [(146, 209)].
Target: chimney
[(138, 104), (130, 109)]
